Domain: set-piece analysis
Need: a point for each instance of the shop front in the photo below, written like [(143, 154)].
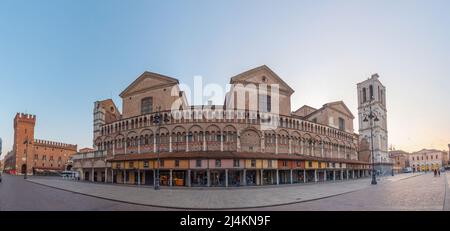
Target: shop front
[(217, 178), (251, 177), (234, 178), (269, 177), (179, 178), (298, 176), (310, 176), (284, 176), (199, 178)]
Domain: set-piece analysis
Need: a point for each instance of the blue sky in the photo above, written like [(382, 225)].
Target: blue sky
[(58, 57)]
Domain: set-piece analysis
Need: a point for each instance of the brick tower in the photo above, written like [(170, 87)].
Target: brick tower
[(23, 131)]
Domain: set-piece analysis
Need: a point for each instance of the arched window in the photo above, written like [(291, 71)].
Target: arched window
[(371, 92), (364, 95), (147, 105)]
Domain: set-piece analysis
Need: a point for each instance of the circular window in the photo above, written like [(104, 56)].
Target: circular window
[(112, 109)]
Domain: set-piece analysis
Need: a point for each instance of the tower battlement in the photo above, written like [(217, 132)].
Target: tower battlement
[(23, 117), (54, 144)]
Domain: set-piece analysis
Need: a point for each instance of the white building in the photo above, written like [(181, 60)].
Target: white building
[(372, 97), (427, 159)]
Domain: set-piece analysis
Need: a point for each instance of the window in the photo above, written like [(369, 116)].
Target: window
[(161, 163), (269, 164), (198, 163), (341, 124), (253, 163), (310, 164), (285, 163), (299, 163), (147, 105), (131, 164), (44, 157), (371, 92), (145, 164), (364, 95), (36, 156), (118, 165), (235, 163), (218, 163), (177, 163), (265, 103)]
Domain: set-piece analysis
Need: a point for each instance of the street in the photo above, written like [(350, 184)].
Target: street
[(421, 192)]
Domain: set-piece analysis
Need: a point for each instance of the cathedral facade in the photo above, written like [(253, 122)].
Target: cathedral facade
[(253, 138)]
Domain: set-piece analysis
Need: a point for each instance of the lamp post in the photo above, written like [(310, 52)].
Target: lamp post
[(158, 120), (373, 118), (26, 158)]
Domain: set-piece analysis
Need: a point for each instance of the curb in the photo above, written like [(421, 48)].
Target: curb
[(212, 209)]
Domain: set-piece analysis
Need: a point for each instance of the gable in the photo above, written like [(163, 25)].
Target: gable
[(262, 75), (148, 81), (341, 107)]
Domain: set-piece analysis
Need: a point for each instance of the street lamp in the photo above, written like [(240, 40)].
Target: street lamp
[(158, 120), (26, 158), (373, 118)]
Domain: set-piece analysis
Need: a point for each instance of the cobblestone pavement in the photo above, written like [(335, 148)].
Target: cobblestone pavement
[(17, 194), (232, 198), (425, 192)]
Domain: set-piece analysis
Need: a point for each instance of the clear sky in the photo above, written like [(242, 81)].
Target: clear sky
[(58, 57)]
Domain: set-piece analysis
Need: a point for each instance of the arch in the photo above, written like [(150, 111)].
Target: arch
[(250, 140)]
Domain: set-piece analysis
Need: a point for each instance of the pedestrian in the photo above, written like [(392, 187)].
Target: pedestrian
[(435, 172), (439, 172)]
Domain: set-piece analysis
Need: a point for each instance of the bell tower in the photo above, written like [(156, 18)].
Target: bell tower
[(23, 142), (372, 119)]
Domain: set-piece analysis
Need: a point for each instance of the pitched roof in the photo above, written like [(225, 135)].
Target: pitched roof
[(146, 75), (330, 105), (243, 75)]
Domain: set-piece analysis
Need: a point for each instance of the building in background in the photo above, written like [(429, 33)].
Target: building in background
[(372, 94), (427, 159), (233, 144), (34, 155), (400, 160)]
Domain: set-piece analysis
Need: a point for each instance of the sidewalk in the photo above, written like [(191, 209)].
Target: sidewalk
[(217, 198)]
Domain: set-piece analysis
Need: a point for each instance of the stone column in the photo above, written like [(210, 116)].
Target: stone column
[(204, 141), (315, 175), (154, 143), (187, 142), (189, 178), (170, 178), (292, 180), (262, 176), (244, 180), (139, 145), (226, 177), (302, 143), (114, 148), (124, 176), (208, 174), (324, 175), (154, 177), (278, 177), (139, 177), (347, 174), (290, 145), (334, 175), (276, 144), (170, 143), (342, 174), (321, 150), (112, 176), (304, 176), (106, 175), (221, 142), (92, 177)]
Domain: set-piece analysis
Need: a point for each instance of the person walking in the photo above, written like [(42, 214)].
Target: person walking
[(439, 172), (435, 172)]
